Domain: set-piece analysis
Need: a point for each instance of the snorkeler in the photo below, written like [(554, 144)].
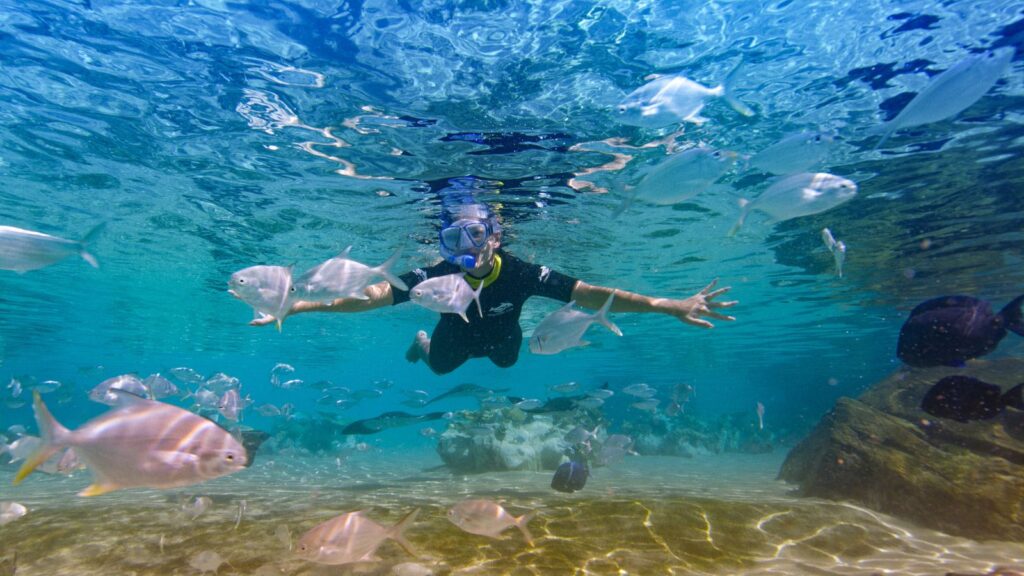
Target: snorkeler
[(470, 242)]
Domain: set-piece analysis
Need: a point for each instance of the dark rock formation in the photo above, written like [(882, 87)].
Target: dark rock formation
[(883, 452)]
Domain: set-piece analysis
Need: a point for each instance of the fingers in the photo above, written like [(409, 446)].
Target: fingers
[(698, 322), (710, 286), (717, 293), (728, 304), (714, 314)]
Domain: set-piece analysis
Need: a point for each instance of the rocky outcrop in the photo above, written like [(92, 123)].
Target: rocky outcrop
[(883, 452), (536, 443)]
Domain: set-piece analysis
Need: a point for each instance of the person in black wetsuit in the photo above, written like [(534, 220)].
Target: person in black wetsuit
[(470, 241)]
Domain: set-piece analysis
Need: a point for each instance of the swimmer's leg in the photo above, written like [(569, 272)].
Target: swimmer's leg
[(444, 351), (505, 352), (419, 349)]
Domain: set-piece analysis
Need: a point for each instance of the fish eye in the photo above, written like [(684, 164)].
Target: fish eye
[(241, 280), (817, 138), (230, 457), (622, 108)]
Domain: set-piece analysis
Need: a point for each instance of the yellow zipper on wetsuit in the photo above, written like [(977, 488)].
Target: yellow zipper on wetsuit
[(487, 280)]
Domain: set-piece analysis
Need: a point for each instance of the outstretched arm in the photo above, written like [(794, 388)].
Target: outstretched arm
[(377, 296), (689, 310)]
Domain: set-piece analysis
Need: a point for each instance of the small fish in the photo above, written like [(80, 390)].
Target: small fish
[(468, 390), (760, 416), (206, 561), (528, 404), (428, 432), (580, 435), (159, 387), (590, 403), (186, 375), (11, 511), (230, 405), (23, 250), (649, 405), (836, 247), (799, 195), (668, 100), (47, 386), (566, 388), (952, 91), (602, 393), (795, 153), (949, 330), (449, 294), (268, 289), (23, 447), (195, 508), (614, 449), (488, 518), (122, 451), (284, 535), (570, 476), (242, 505), (268, 410), (564, 328), (221, 382), (964, 399), (388, 420), (639, 390), (342, 277), (682, 176), (106, 392), (15, 387), (282, 368), (350, 538)]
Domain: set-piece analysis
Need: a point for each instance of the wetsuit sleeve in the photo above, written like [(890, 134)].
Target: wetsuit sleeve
[(412, 278), (546, 282)]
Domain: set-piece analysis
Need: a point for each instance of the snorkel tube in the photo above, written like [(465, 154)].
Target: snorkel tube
[(466, 261)]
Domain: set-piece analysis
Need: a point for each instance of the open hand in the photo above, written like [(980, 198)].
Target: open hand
[(692, 310)]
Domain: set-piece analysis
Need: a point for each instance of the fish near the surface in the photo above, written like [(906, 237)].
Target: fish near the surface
[(268, 289), (448, 294), (570, 476), (564, 328), (949, 330), (799, 195), (388, 420), (952, 91), (140, 443), (964, 399), (488, 518), (342, 277), (682, 176), (351, 537), (23, 250), (836, 247), (795, 153), (668, 100)]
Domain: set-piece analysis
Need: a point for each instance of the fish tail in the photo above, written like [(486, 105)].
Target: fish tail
[(397, 532), (1014, 316), (1014, 397), (279, 321), (53, 436), (521, 524), (735, 104), (602, 315), (743, 216), (626, 203), (88, 239), (385, 271), (476, 296)]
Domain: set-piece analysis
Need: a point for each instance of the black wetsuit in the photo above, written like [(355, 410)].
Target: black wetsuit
[(497, 335)]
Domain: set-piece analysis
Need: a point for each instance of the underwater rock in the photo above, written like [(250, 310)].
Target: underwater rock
[(537, 444), (884, 452)]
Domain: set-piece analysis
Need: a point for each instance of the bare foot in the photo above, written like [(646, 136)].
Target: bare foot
[(419, 349)]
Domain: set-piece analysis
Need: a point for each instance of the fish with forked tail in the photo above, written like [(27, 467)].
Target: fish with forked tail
[(388, 420), (949, 330)]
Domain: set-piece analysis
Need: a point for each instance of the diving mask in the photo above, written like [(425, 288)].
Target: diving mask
[(462, 240)]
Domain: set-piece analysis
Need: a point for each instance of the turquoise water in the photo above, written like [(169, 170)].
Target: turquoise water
[(210, 136)]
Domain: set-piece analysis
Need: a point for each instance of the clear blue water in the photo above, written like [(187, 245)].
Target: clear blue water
[(212, 135)]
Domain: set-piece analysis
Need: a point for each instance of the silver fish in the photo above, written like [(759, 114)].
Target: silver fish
[(140, 443), (230, 405), (488, 518), (649, 405), (794, 153), (11, 511), (186, 375), (206, 561), (351, 537), (640, 390), (590, 403), (160, 387), (667, 100), (106, 392), (268, 289), (566, 388), (342, 277), (23, 250), (799, 195), (682, 176), (449, 294), (836, 247), (952, 91), (564, 328)]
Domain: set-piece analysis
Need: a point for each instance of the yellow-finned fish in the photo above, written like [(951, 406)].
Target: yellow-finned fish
[(140, 443)]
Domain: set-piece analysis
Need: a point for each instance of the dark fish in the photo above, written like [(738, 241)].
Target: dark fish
[(388, 420), (471, 390), (950, 330), (965, 399), (251, 441), (570, 476)]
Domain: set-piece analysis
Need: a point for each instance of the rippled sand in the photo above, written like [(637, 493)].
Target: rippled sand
[(648, 515)]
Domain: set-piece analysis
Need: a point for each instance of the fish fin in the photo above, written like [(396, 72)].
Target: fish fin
[(521, 524), (97, 489), (626, 203), (744, 203), (345, 253), (602, 316), (464, 317), (735, 104), (397, 532), (385, 271), (1014, 315), (52, 434), (278, 324), (1014, 397), (89, 258), (476, 296)]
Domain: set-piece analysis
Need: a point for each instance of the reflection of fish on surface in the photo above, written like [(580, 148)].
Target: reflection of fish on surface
[(794, 153), (351, 537), (488, 518), (964, 399), (140, 444), (949, 330), (387, 420), (468, 390)]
